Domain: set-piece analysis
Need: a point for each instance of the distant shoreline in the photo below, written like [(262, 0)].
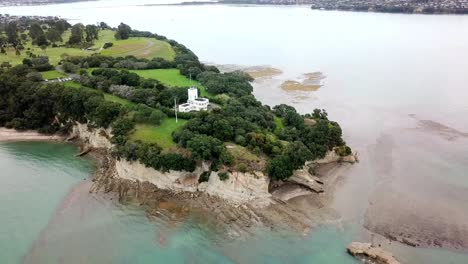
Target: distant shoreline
[(39, 2), (392, 7)]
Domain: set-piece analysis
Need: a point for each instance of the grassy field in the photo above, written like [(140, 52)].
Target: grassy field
[(50, 75), (116, 99), (241, 153), (279, 124), (104, 37), (172, 78), (161, 135), (141, 48), (54, 54)]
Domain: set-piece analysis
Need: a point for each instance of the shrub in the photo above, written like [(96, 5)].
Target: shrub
[(279, 168), (204, 177), (223, 175), (343, 151), (107, 45), (70, 67), (242, 168)]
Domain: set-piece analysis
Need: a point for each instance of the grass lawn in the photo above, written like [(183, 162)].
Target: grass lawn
[(116, 99), (104, 37), (161, 135), (141, 48), (75, 85), (172, 78), (50, 75), (54, 54), (279, 124), (241, 153)]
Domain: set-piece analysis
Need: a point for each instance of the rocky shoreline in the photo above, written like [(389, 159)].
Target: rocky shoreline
[(236, 218), (247, 204), (243, 202)]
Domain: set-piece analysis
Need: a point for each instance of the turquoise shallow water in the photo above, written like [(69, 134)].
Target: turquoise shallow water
[(49, 216), (34, 178)]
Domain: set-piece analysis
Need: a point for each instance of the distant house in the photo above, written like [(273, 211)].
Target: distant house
[(194, 103)]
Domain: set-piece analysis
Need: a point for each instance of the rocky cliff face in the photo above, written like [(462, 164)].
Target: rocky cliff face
[(236, 204), (92, 137), (240, 188)]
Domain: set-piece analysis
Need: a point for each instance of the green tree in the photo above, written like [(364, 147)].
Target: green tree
[(41, 41), (92, 33), (77, 32), (105, 113), (123, 31), (279, 168), (204, 147), (53, 35), (297, 154), (12, 33), (35, 30)]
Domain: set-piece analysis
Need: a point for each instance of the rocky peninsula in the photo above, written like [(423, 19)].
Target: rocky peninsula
[(247, 200), (244, 201)]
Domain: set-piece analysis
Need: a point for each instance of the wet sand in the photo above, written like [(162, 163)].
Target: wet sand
[(307, 82), (28, 135), (257, 72), (406, 218), (411, 206), (410, 185)]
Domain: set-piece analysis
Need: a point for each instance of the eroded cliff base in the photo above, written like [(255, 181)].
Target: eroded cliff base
[(300, 213)]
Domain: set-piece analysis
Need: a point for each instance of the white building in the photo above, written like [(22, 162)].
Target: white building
[(194, 103)]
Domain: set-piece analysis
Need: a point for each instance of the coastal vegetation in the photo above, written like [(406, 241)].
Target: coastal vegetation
[(132, 88)]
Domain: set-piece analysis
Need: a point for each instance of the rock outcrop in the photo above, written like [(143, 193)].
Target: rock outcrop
[(367, 253), (240, 188), (332, 156), (304, 178), (92, 137)]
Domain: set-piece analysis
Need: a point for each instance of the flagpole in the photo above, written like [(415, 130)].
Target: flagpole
[(175, 110)]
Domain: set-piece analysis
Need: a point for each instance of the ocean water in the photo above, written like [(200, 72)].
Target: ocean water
[(34, 178)]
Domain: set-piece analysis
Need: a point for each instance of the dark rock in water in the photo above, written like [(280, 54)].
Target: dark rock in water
[(367, 253)]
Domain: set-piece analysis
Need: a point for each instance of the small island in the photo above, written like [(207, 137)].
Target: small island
[(161, 125)]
